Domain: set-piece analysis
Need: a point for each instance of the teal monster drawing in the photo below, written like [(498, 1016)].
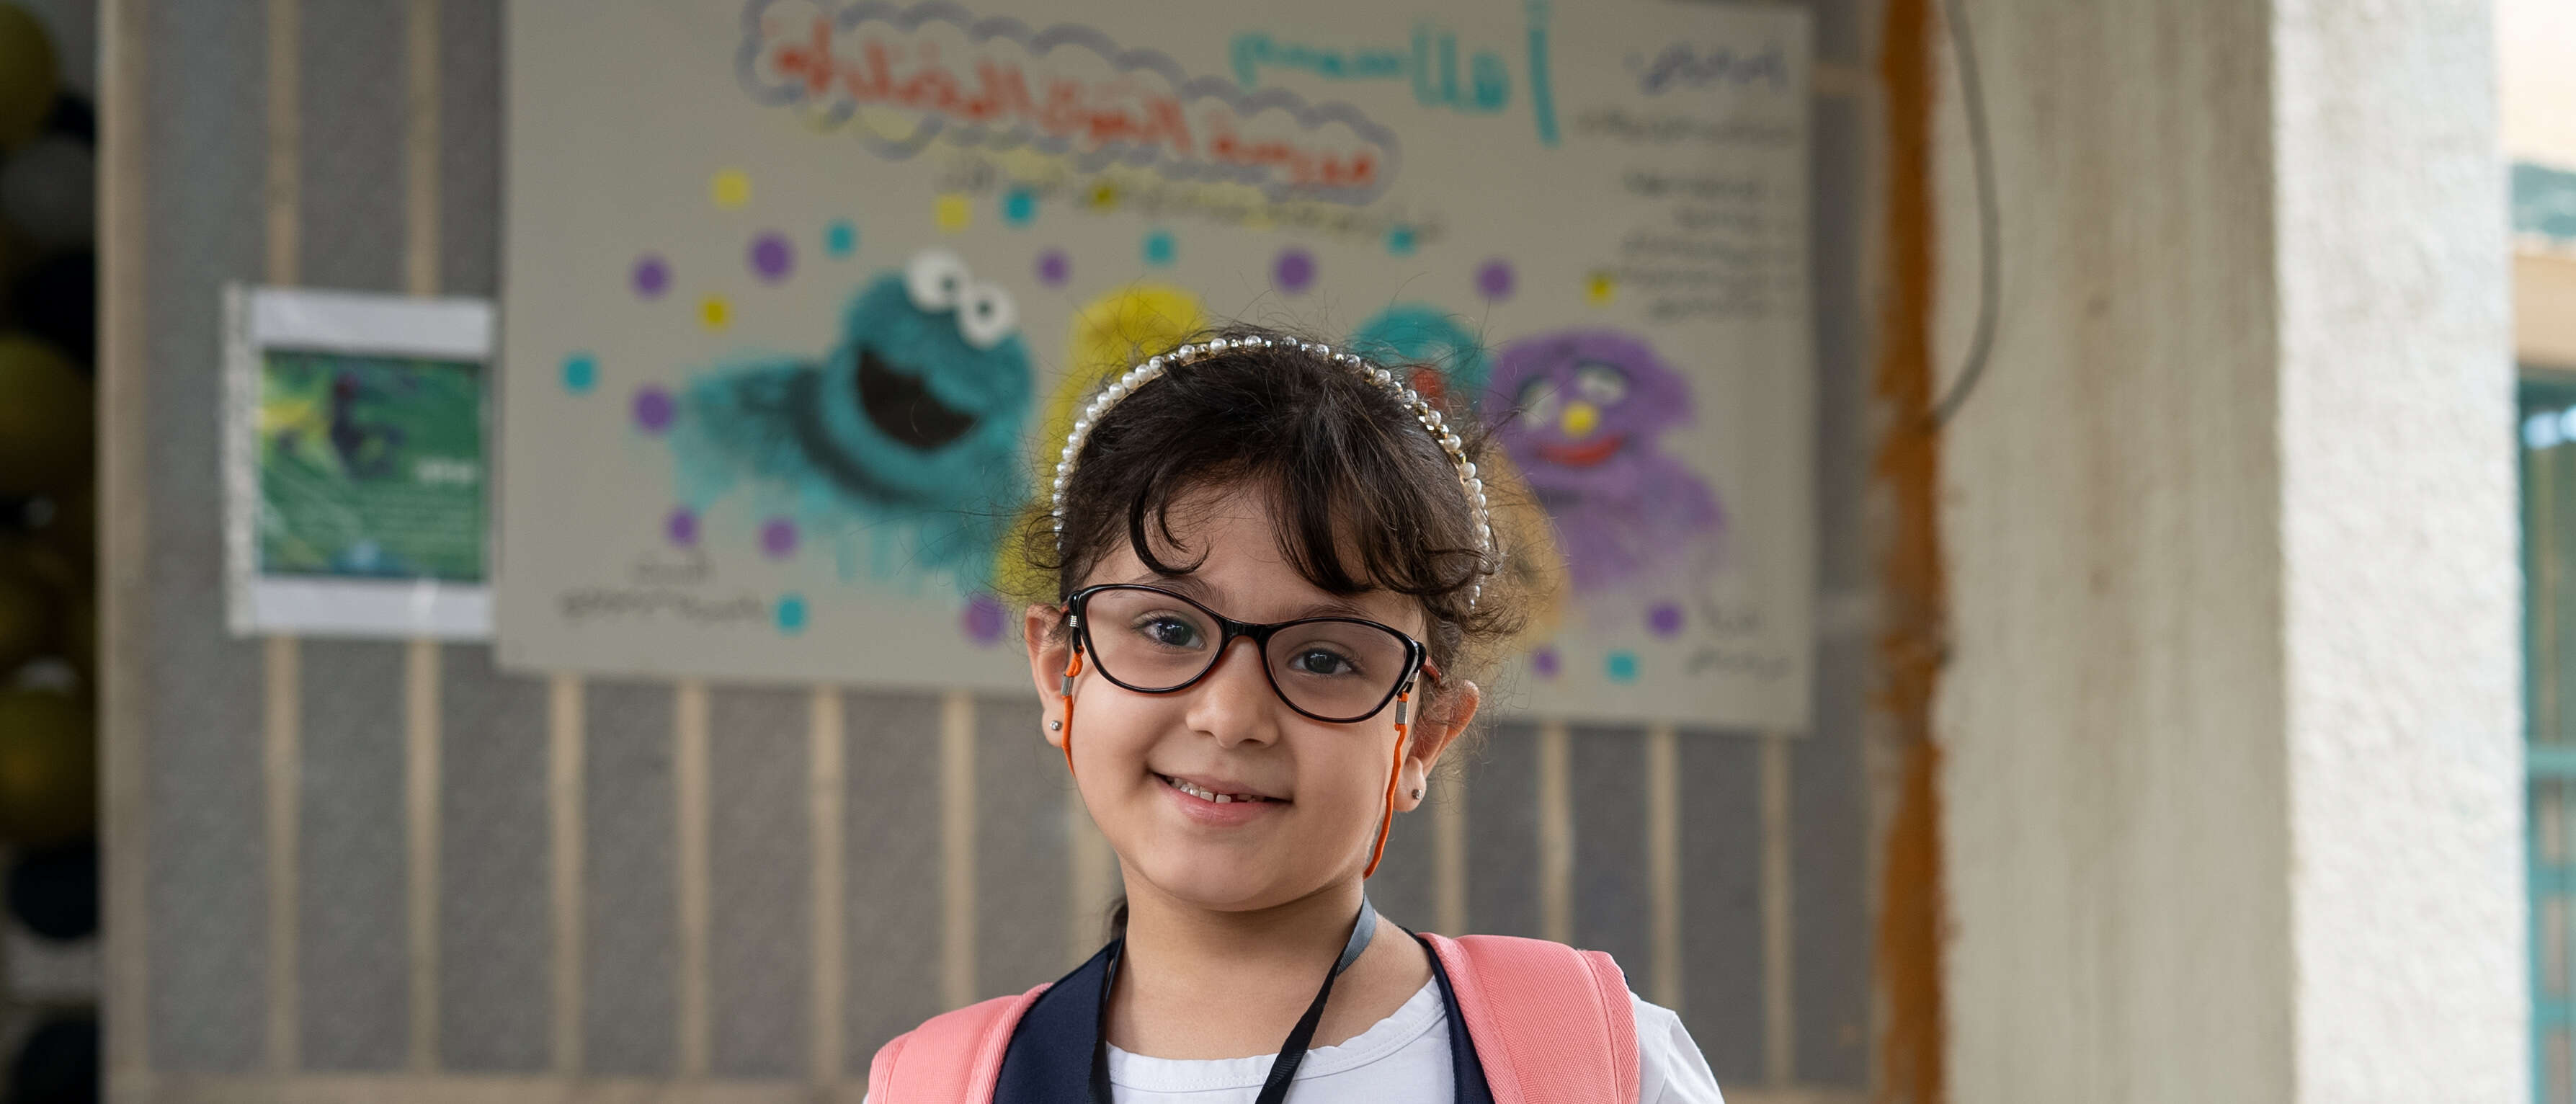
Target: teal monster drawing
[(1417, 333), (900, 446)]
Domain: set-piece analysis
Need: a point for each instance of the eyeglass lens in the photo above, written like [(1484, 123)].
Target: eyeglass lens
[(1336, 670)]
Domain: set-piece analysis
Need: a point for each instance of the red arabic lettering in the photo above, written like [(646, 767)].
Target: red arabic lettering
[(1116, 111)]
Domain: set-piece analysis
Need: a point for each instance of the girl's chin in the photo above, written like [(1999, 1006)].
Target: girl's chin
[(1224, 882)]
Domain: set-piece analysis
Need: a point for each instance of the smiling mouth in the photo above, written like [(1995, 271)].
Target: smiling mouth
[(901, 406), (1584, 456), (1211, 796)]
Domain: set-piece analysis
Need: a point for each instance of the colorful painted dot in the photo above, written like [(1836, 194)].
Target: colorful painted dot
[(1430, 384), (1495, 280), (1622, 666), (1054, 268), (653, 409), (1545, 662), (841, 239), (715, 313), (954, 212), (1599, 288), (1019, 206), (791, 614), (1399, 241), (652, 276), (681, 527), (771, 257), (778, 538), (1104, 196), (1665, 619), (983, 620), (1160, 249), (731, 189), (580, 371), (1295, 270)]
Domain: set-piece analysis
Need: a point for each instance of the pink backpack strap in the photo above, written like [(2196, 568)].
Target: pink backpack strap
[(952, 1058), (1550, 1023)]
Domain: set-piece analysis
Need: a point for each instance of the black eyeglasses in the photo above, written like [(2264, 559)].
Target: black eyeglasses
[(1333, 669)]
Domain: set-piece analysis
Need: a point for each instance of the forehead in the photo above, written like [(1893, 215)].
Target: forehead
[(1231, 534)]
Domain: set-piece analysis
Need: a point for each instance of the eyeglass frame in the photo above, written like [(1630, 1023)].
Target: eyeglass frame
[(1417, 655)]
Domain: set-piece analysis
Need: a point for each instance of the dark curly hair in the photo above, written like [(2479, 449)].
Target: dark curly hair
[(1366, 499)]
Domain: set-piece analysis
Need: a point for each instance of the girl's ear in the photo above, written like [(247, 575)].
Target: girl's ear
[(1050, 652), (1441, 725)]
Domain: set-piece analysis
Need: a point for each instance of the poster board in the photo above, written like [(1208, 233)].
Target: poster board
[(1589, 219), (355, 463)]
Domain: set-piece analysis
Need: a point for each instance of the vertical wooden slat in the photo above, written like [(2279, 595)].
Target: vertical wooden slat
[(282, 744), (421, 734), (282, 732), (1779, 1019), (957, 848), (564, 733), (1555, 833), (689, 780), (828, 782), (1664, 866), (285, 131), (420, 799), (1449, 855), (421, 150), (124, 538)]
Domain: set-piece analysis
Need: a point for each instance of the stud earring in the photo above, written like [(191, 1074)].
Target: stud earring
[(1417, 793), (1055, 726)]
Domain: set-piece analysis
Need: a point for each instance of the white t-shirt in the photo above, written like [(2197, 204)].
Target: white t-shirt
[(1402, 1057)]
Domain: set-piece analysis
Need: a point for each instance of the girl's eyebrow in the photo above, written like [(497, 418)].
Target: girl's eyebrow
[(1192, 586)]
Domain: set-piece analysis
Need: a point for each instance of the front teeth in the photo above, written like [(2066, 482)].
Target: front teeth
[(1206, 794)]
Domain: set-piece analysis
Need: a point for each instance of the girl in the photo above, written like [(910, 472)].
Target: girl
[(1272, 565)]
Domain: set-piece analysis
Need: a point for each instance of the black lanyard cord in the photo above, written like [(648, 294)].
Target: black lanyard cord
[(1292, 1051)]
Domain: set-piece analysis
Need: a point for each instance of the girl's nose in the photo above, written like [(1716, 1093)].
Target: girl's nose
[(1233, 702)]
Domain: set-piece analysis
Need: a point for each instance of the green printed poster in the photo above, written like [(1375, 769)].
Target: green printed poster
[(370, 466), (357, 468)]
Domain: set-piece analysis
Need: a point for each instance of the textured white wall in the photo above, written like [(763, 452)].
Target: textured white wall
[(2232, 793), (2397, 514)]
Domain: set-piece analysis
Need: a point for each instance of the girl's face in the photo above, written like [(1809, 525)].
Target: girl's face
[(1320, 785)]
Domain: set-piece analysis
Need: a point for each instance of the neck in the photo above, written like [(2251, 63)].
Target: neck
[(1206, 983)]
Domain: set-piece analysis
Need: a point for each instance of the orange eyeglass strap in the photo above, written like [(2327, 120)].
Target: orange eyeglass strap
[(1072, 667), (1386, 813)]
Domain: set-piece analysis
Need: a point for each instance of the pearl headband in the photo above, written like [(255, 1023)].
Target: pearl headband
[(1144, 373)]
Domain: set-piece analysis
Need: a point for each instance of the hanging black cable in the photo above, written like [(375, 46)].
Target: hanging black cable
[(1981, 345)]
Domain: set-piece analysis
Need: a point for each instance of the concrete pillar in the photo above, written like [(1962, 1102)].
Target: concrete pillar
[(2232, 790)]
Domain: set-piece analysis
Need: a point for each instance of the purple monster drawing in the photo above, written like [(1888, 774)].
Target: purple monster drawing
[(1578, 412)]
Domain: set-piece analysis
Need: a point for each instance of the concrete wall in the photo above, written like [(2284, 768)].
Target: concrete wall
[(355, 870), (2233, 793)]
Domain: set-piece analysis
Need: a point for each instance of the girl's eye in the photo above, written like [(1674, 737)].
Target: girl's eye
[(1320, 661), (1170, 632)]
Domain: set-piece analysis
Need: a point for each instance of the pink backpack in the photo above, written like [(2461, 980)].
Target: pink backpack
[(1551, 1024)]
